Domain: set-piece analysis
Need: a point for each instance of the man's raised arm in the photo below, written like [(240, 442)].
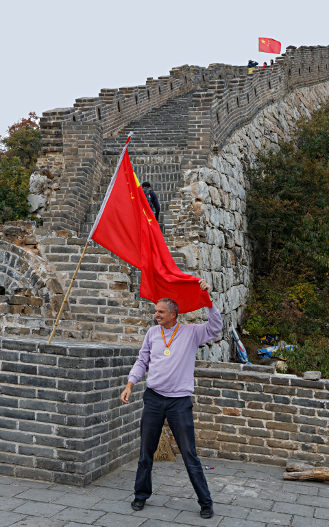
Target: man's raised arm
[(211, 329)]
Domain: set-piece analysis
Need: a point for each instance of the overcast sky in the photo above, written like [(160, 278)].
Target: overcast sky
[(53, 52)]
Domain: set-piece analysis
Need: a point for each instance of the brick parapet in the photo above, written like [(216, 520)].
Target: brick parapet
[(61, 418), (229, 98), (115, 108), (234, 102), (260, 416)]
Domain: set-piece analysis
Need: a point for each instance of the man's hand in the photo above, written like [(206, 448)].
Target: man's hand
[(204, 285), (126, 393)]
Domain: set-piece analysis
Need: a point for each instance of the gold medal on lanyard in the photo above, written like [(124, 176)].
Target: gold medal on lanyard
[(167, 351)]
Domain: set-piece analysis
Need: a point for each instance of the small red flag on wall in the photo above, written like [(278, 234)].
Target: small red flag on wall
[(269, 45)]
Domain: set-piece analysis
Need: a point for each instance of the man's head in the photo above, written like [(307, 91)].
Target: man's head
[(166, 312), (146, 184)]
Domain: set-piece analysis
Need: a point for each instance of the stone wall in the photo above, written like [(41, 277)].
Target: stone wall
[(258, 416), (82, 172), (208, 221), (228, 104), (115, 108), (32, 292), (61, 418), (224, 99)]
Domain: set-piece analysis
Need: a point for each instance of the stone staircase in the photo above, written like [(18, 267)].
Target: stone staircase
[(104, 303), (156, 150), (163, 129)]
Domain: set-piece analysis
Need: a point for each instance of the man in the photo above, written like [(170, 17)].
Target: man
[(151, 198), (252, 65), (168, 353)]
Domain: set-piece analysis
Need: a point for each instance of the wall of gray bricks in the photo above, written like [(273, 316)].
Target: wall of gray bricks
[(228, 104), (82, 171), (260, 416), (115, 108), (61, 418)]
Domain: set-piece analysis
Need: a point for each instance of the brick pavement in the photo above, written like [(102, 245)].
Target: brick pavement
[(244, 494)]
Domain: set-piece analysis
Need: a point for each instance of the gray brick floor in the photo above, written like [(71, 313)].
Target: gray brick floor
[(244, 494)]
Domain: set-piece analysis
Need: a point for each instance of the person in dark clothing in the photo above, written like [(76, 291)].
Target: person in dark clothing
[(152, 199), (252, 65), (271, 62)]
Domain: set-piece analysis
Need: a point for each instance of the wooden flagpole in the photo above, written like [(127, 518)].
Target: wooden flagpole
[(67, 293)]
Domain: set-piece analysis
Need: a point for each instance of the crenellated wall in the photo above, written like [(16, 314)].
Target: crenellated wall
[(228, 104), (115, 108)]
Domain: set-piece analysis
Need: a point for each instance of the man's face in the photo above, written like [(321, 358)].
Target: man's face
[(163, 315)]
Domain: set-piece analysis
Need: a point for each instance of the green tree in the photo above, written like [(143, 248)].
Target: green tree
[(14, 189), (23, 141), (289, 202), (288, 213)]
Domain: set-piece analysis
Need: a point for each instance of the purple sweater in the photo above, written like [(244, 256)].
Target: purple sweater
[(173, 376)]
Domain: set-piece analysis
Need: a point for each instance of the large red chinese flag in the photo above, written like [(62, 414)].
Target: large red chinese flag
[(127, 227), (269, 45)]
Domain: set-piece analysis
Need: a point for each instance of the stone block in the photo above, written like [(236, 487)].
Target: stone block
[(312, 375)]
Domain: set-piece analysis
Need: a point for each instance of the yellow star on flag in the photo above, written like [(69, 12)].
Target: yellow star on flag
[(148, 219)]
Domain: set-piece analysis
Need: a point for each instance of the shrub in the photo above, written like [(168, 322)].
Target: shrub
[(14, 189)]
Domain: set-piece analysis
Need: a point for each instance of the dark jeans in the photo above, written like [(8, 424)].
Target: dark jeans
[(178, 411)]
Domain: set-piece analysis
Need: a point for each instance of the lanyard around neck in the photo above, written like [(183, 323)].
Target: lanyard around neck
[(172, 337)]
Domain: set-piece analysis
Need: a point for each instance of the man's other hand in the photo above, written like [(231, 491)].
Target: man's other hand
[(126, 393), (204, 285)]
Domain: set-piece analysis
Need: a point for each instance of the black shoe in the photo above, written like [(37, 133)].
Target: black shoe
[(138, 505), (207, 512)]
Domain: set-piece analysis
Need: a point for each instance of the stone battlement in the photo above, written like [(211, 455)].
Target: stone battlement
[(116, 108), (62, 419)]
